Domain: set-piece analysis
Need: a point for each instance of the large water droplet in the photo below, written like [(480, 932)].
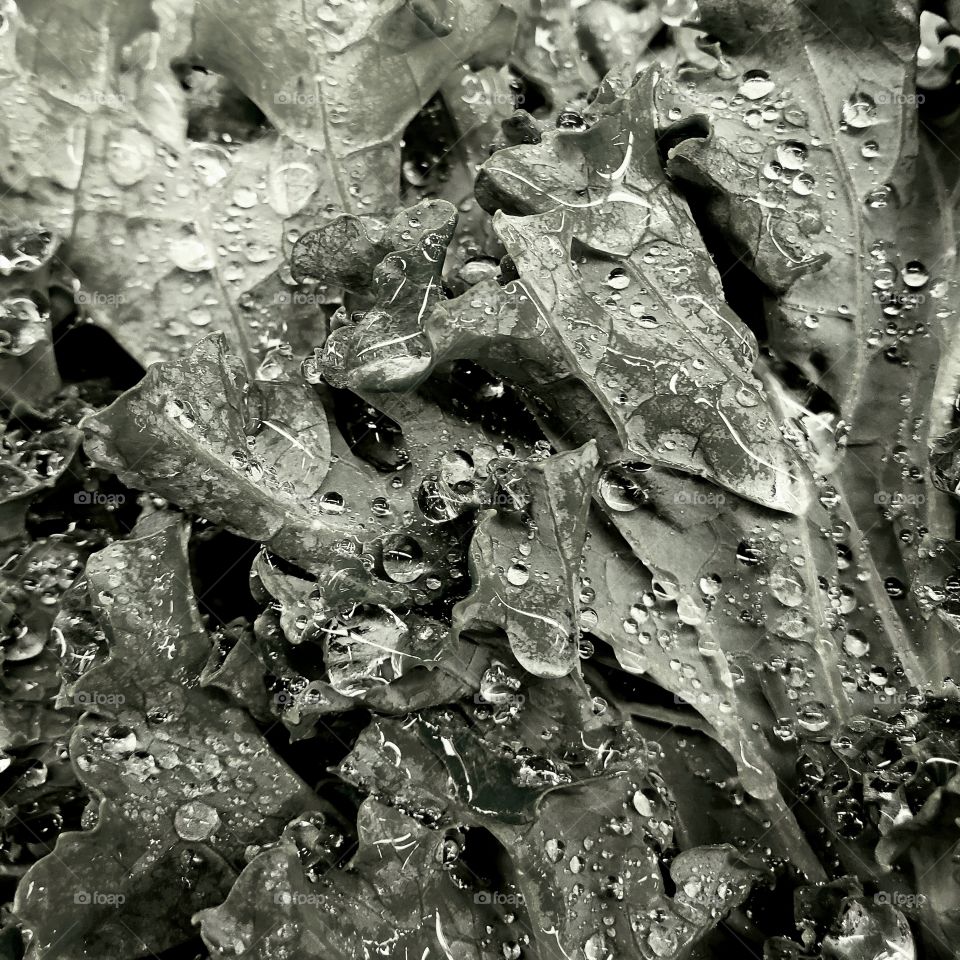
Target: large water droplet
[(756, 84), (190, 253), (129, 157), (621, 488), (676, 12), (498, 685), (859, 111), (915, 275), (792, 155), (195, 820), (403, 559), (786, 584)]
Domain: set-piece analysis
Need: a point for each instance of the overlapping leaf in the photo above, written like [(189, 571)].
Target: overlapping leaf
[(210, 217), (397, 897), (801, 135), (669, 363), (678, 537), (525, 562), (182, 781), (562, 819)]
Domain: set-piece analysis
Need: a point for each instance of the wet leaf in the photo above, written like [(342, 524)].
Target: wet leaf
[(569, 825), (30, 462), (183, 782), (383, 349), (869, 932), (396, 893), (803, 152), (28, 370), (198, 427), (524, 561), (304, 66), (593, 215)]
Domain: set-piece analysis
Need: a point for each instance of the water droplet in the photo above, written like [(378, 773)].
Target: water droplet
[(191, 254), (783, 730), (795, 116), (915, 275), (859, 111), (855, 643), (621, 488), (290, 187), (772, 171), (129, 157), (571, 120), (879, 197), (403, 559), (711, 584), (119, 740), (596, 947), (332, 503), (894, 587), (792, 155), (245, 198), (642, 804), (786, 584), (618, 279), (498, 685), (195, 820), (750, 552), (210, 163), (756, 84), (803, 184), (518, 574), (813, 716), (554, 850)]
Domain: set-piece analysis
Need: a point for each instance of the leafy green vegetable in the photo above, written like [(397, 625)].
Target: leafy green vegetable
[(182, 782), (532, 531), (805, 194), (396, 893), (521, 586), (667, 361)]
